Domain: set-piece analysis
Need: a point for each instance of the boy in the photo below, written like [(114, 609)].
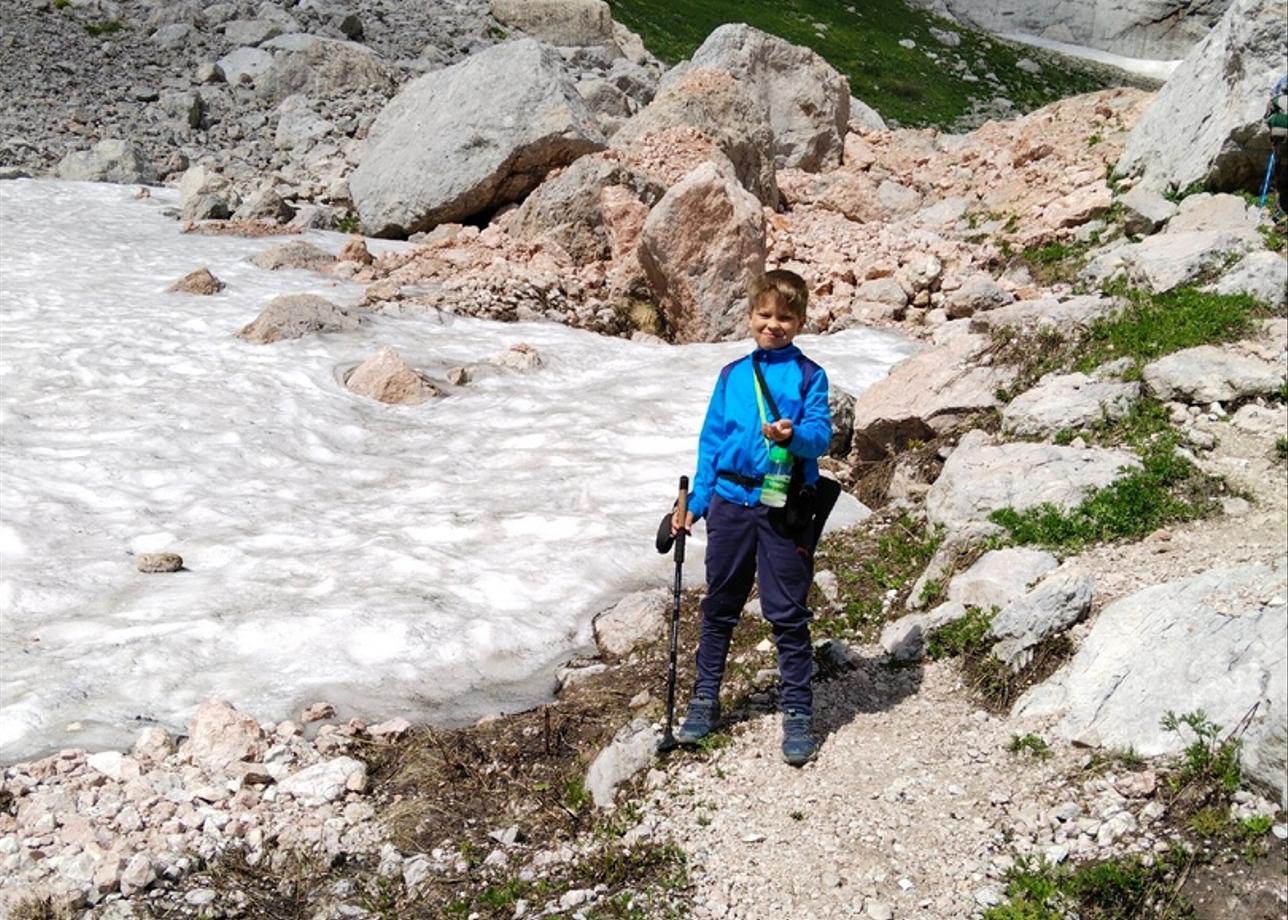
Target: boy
[(743, 535)]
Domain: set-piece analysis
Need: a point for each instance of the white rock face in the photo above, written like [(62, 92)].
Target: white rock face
[(327, 781), (1215, 642), (1054, 605), (1209, 373), (1169, 260), (980, 477), (1205, 123), (1000, 576), (1263, 275), (1046, 313), (1067, 401), (924, 395), (632, 750), (469, 138), (808, 100), (1155, 29), (559, 22), (1145, 211), (109, 160), (634, 619), (319, 66), (701, 246)]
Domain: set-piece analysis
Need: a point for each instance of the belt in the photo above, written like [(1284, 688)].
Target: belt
[(747, 482)]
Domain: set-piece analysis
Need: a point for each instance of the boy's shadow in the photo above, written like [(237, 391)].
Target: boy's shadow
[(843, 689)]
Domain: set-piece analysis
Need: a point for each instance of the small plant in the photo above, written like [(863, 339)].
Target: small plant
[(1209, 761), (1176, 196), (933, 591), (965, 635), (108, 27), (1093, 140), (349, 223), (62, 4), (1030, 744), (575, 796), (1115, 889), (797, 816), (716, 741), (1281, 449)]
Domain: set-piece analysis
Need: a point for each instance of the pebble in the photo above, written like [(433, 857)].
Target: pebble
[(158, 563)]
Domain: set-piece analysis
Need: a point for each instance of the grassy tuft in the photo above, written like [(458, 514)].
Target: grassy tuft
[(1166, 488), (37, 908), (884, 556), (1055, 262), (1281, 449), (968, 634), (1153, 325), (108, 27), (1030, 744), (1111, 890)]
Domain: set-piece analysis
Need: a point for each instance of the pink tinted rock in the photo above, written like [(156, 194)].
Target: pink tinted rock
[(219, 736), (154, 745), (392, 730), (386, 378), (316, 712)]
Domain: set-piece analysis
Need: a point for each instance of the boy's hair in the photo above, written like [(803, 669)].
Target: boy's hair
[(788, 287)]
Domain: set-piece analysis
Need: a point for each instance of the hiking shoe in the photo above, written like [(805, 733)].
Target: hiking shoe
[(701, 718), (798, 742)]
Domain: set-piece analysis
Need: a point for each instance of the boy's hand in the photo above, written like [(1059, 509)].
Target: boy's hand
[(675, 522), (778, 431)]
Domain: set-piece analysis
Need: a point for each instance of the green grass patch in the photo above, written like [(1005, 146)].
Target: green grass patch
[(861, 40), (1030, 744), (1209, 761), (968, 634), (1111, 890), (1055, 262), (1165, 489), (107, 27), (886, 554), (1153, 325), (1281, 449)]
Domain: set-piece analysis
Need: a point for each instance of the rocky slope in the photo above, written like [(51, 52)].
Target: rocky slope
[(1007, 250)]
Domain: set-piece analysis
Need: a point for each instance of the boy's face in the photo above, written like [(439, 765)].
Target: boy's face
[(772, 324)]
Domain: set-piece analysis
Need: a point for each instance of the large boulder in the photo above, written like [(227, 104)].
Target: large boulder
[(1167, 261), (1262, 274), (110, 160), (569, 209), (469, 138), (1067, 401), (559, 22), (1210, 373), (701, 247), (319, 67), (808, 100), (1046, 313), (292, 316), (925, 395), (1216, 642), (980, 477), (1205, 125), (722, 109)]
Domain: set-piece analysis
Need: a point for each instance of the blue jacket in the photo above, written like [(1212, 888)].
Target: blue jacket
[(731, 438)]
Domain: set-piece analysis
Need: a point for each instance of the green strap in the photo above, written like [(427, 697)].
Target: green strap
[(760, 402)]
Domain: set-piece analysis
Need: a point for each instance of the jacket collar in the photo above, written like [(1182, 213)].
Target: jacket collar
[(775, 355)]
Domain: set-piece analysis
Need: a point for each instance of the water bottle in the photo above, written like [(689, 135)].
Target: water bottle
[(773, 491)]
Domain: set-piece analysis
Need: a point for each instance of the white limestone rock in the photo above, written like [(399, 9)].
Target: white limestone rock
[(632, 749), (1067, 401), (1211, 373)]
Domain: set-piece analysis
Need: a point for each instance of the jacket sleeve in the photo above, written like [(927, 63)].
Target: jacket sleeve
[(704, 479), (812, 434)]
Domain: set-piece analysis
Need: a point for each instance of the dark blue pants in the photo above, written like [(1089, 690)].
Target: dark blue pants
[(742, 541)]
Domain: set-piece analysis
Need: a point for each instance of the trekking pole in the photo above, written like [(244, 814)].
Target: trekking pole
[(1265, 183), (682, 506)]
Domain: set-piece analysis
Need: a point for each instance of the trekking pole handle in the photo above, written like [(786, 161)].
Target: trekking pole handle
[(682, 510)]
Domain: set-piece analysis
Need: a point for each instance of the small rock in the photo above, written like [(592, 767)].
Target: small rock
[(317, 712), (392, 730), (158, 563), (879, 910), (198, 281)]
